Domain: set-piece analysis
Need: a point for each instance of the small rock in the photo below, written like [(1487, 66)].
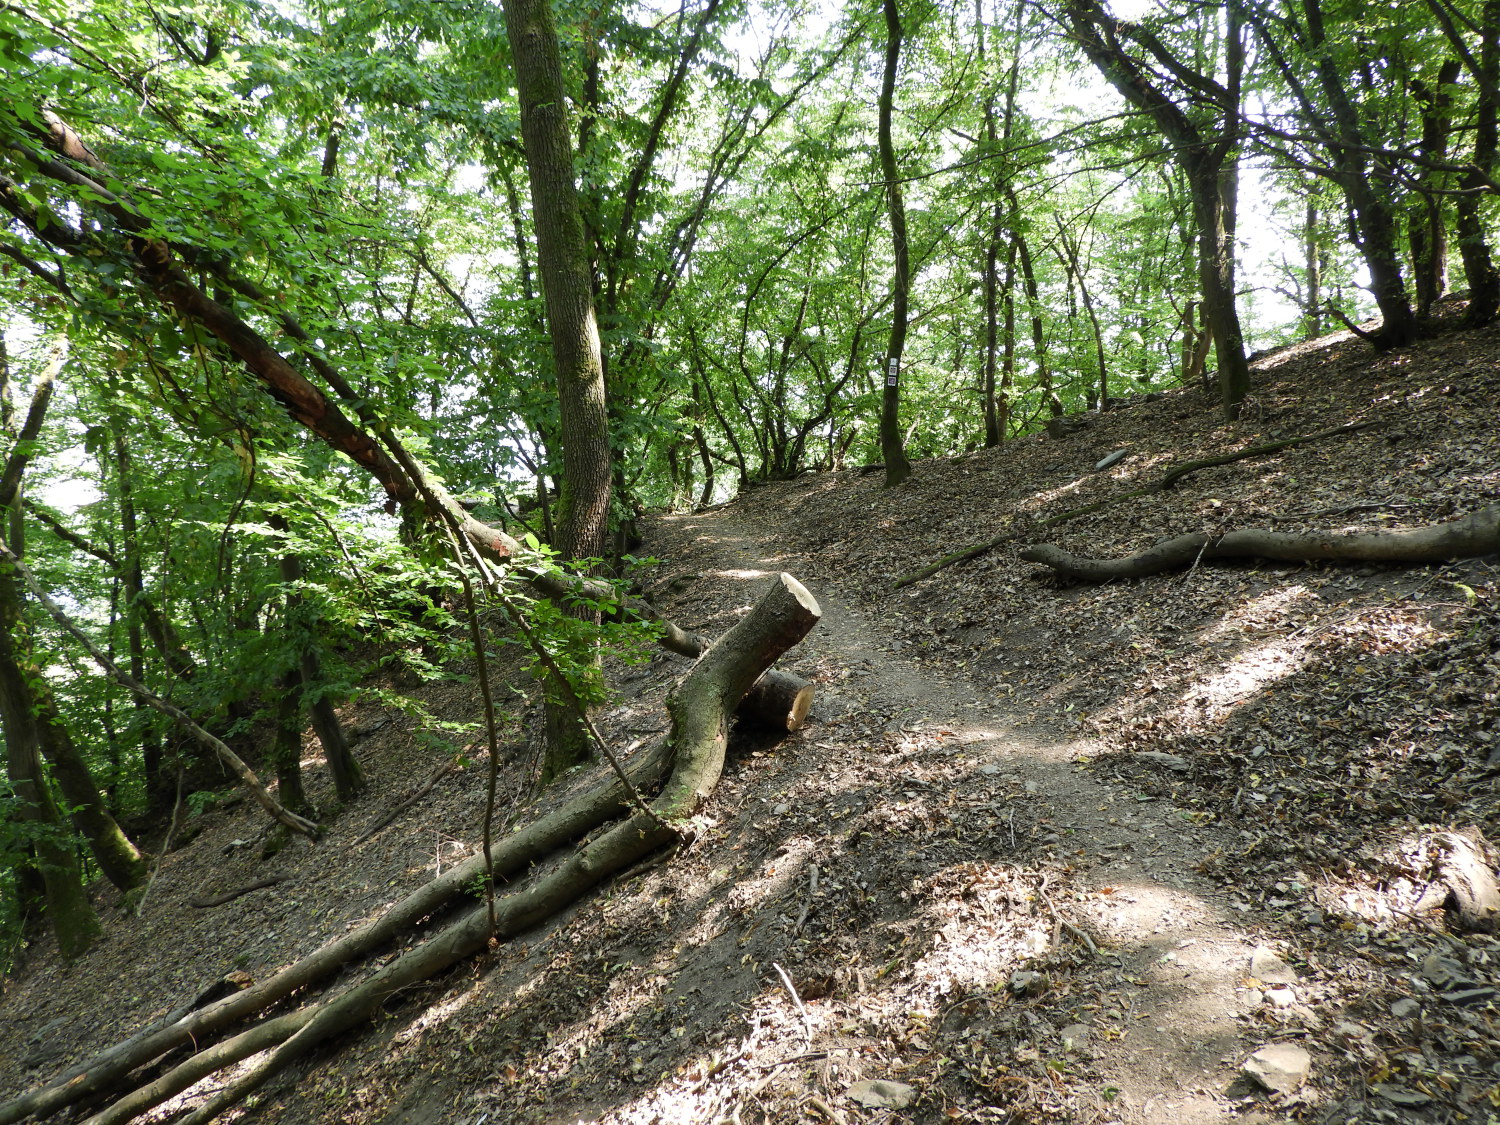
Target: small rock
[(1399, 1095), (1281, 997), (1444, 972), (1349, 1029), (1166, 761), (1112, 460), (1027, 983), (1280, 1067), (1075, 1036), (882, 1093), (1406, 1008), (781, 809), (1469, 995), (1268, 968)]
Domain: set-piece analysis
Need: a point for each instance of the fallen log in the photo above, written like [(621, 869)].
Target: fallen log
[(1475, 534), (701, 708), (1167, 482)]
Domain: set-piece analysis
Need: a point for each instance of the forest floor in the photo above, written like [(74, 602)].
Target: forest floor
[(1044, 852)]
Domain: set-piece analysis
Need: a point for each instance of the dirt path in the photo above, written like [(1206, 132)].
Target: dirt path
[(1173, 945)]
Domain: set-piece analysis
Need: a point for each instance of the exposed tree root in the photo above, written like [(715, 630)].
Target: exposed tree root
[(700, 707), (1476, 534), (1024, 527)]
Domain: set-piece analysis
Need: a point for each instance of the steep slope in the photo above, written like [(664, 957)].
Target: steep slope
[(1023, 855)]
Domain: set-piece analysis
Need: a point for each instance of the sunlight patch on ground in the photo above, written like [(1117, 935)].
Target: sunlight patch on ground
[(1296, 351), (742, 575), (1250, 672), (1270, 610), (433, 1015), (1378, 892)]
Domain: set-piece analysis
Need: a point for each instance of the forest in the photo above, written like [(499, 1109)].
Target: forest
[(352, 352)]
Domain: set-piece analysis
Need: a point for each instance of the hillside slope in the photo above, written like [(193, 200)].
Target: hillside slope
[(1022, 857)]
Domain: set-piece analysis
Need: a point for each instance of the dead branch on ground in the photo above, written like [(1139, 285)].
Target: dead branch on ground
[(1168, 481), (700, 707), (1475, 534)]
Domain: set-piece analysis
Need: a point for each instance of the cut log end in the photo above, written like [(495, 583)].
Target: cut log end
[(778, 701)]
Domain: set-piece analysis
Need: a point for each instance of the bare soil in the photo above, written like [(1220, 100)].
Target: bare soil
[(1017, 864)]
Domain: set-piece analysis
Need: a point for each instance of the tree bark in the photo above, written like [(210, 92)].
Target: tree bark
[(892, 447), (31, 713), (567, 286)]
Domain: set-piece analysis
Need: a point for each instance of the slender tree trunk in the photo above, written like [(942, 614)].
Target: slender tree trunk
[(1008, 353), (1312, 250), (1022, 254), (1073, 261), (567, 284), (286, 751), (1473, 239), (158, 795), (1426, 232), (892, 447), (348, 777)]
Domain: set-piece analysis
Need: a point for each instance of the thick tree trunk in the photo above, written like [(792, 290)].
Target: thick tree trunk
[(568, 287), (73, 920), (30, 713), (1426, 233), (286, 750)]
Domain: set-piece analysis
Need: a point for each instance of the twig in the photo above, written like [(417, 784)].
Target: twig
[(166, 846), (1063, 922), (797, 1000), (812, 890)]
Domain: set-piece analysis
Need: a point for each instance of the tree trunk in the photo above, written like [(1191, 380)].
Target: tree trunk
[(286, 750), (1426, 233), (31, 714), (892, 447), (68, 909), (1312, 256), (1473, 239), (567, 285), (348, 777)]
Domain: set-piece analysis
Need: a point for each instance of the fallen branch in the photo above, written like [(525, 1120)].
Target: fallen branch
[(230, 896), (385, 819), (1476, 534), (700, 707), (1169, 480), (1177, 473)]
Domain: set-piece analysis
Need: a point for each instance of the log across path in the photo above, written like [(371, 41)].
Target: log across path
[(1169, 931)]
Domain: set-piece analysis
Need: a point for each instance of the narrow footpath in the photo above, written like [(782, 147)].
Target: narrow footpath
[(1170, 942)]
